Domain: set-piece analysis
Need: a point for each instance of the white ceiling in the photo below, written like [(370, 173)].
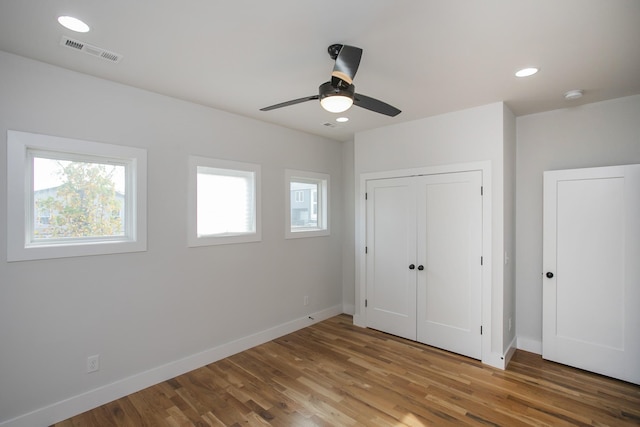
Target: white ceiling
[(425, 57)]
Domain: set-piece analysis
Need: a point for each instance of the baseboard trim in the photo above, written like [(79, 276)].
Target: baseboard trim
[(530, 345), (67, 408), (511, 350), (494, 359), (349, 309), (358, 320)]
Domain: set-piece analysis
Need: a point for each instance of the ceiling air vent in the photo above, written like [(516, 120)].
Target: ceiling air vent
[(91, 50), (329, 125)]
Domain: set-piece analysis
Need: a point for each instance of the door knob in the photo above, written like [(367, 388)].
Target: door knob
[(411, 267), (549, 275), (420, 267)]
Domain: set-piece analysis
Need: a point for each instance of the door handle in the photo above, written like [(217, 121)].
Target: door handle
[(421, 267), (549, 275), (411, 267)]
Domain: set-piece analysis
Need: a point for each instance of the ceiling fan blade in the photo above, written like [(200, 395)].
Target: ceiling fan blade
[(292, 102), (373, 104), (347, 63)]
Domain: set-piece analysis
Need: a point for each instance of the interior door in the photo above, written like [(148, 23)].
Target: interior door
[(591, 264), (391, 250), (449, 303)]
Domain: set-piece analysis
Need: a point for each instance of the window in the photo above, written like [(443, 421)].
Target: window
[(307, 204), (224, 202), (73, 198)]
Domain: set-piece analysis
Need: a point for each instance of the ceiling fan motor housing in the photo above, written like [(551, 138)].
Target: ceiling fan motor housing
[(334, 50), (327, 89)]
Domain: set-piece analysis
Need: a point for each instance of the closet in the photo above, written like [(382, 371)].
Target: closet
[(424, 259)]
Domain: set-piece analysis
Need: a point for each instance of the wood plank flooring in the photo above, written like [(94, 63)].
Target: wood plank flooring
[(336, 374)]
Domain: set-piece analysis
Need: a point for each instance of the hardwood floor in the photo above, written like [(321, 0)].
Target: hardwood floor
[(335, 374)]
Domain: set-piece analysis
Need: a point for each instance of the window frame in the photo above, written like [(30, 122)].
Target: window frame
[(323, 182), (21, 149), (222, 239)]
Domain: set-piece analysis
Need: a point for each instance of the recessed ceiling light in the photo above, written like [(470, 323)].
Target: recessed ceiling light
[(526, 72), (74, 24), (342, 119)]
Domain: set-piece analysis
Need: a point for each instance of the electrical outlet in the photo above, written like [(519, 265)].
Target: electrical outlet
[(305, 301), (509, 324), (93, 363)]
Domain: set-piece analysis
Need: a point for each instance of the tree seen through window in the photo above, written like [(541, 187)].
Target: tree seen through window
[(75, 199)]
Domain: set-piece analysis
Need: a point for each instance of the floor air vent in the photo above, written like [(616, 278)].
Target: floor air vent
[(89, 49)]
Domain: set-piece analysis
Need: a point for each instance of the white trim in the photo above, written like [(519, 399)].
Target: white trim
[(193, 239), (529, 344), (67, 408), (511, 350), (487, 271), (494, 359), (349, 309), (19, 191), (323, 181), (359, 318)]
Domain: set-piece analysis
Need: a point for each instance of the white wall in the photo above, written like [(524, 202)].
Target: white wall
[(472, 135), (600, 134), (145, 311)]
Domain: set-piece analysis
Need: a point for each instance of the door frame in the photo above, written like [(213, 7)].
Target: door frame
[(359, 318)]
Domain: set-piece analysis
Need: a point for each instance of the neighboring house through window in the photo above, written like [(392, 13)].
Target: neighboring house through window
[(44, 199), (307, 210)]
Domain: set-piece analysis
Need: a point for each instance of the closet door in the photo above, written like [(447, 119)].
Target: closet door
[(591, 262), (449, 288), (391, 251)]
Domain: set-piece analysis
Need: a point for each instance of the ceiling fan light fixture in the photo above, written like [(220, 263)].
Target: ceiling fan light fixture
[(336, 103), (336, 99)]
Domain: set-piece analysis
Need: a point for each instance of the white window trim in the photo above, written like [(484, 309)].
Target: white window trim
[(323, 204), (19, 195), (192, 209)]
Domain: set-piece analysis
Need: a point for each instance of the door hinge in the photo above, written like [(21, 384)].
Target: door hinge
[(481, 330), (366, 249), (365, 303), (481, 191), (481, 261), (366, 196)]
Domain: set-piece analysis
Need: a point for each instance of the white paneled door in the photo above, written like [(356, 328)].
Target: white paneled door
[(450, 245), (424, 248), (591, 263), (391, 251)]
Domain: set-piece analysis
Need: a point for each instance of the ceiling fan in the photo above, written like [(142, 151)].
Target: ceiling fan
[(339, 94)]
